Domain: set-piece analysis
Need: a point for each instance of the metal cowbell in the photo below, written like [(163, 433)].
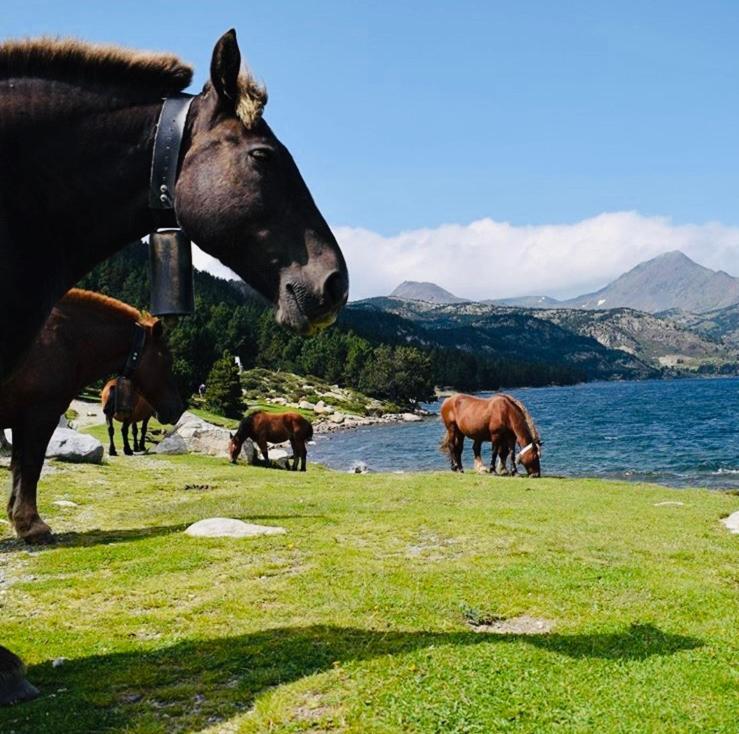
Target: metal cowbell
[(170, 263)]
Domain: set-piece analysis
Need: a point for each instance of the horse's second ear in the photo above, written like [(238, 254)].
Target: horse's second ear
[(224, 69)]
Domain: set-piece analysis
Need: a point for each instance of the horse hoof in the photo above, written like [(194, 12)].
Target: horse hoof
[(14, 688), (39, 534), (128, 452), (113, 453)]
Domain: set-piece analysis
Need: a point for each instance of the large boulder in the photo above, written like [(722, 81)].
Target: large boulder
[(79, 448), (193, 435)]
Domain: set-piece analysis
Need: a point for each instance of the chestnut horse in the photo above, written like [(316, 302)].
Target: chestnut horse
[(86, 337), (262, 427), (502, 420), (141, 413), (77, 124)]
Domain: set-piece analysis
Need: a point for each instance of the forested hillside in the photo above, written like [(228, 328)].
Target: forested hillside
[(372, 355)]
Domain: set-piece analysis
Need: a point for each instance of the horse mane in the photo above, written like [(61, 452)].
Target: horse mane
[(98, 300), (527, 417), (74, 60)]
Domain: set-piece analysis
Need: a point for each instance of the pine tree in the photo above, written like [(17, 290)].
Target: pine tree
[(223, 388)]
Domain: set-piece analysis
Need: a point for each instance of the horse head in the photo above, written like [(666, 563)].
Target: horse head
[(234, 447), (241, 198), (530, 458), (154, 378)]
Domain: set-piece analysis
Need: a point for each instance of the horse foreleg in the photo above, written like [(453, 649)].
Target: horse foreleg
[(29, 447), (111, 435), (124, 432), (265, 452), (135, 431), (296, 452), (142, 440)]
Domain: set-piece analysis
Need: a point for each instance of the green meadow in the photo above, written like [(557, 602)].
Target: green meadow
[(369, 614)]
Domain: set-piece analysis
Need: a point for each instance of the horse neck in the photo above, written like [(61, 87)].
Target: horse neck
[(519, 426), (76, 170), (103, 343)]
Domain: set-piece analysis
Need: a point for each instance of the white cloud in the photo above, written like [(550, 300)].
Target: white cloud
[(488, 259)]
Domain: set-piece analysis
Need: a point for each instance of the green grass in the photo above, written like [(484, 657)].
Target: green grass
[(356, 620)]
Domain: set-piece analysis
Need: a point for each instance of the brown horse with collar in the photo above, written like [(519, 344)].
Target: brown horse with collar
[(502, 420), (77, 132), (86, 337), (262, 428)]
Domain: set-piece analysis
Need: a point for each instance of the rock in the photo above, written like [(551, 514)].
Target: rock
[(78, 448), (732, 523), (359, 467), (64, 503), (411, 417), (278, 401), (337, 417), (306, 405), (226, 527), (322, 409), (58, 662), (63, 422), (172, 444), (195, 436)]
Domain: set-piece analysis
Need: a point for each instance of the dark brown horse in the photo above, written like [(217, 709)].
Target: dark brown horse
[(77, 126), (262, 427), (502, 420), (86, 337), (142, 412)]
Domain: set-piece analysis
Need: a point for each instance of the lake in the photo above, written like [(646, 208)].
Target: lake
[(675, 432)]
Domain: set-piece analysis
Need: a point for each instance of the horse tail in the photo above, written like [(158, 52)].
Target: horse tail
[(527, 417), (308, 430), (444, 443)]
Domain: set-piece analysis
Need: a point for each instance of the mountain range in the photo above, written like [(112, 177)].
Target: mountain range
[(669, 281), (666, 316)]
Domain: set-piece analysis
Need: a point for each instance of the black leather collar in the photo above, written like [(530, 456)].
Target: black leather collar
[(166, 156), (137, 349)]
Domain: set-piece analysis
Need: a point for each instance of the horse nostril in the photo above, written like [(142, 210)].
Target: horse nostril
[(336, 289)]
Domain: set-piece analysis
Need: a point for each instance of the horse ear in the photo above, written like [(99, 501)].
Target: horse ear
[(224, 69), (231, 435)]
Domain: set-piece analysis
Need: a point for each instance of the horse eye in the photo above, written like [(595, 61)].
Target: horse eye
[(261, 154)]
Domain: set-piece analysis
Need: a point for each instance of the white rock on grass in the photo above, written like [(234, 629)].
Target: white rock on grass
[(337, 418), (78, 448), (732, 523), (227, 527), (306, 405), (64, 503)]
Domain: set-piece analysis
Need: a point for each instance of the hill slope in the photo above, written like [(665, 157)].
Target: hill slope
[(508, 333)]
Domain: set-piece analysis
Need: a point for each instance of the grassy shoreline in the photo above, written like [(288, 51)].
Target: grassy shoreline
[(357, 619)]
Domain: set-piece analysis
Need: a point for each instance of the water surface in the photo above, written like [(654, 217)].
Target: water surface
[(675, 432)]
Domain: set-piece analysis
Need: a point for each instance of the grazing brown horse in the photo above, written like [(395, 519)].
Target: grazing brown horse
[(142, 412), (263, 427), (86, 337), (502, 420), (77, 125)]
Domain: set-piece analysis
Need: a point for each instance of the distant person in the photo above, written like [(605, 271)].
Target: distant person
[(201, 391)]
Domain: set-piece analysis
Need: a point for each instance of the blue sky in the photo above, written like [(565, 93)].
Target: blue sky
[(412, 115)]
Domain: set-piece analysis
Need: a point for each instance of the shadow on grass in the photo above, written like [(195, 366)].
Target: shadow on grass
[(188, 684), (96, 536)]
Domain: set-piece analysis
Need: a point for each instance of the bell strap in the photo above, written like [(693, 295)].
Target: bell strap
[(137, 349)]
